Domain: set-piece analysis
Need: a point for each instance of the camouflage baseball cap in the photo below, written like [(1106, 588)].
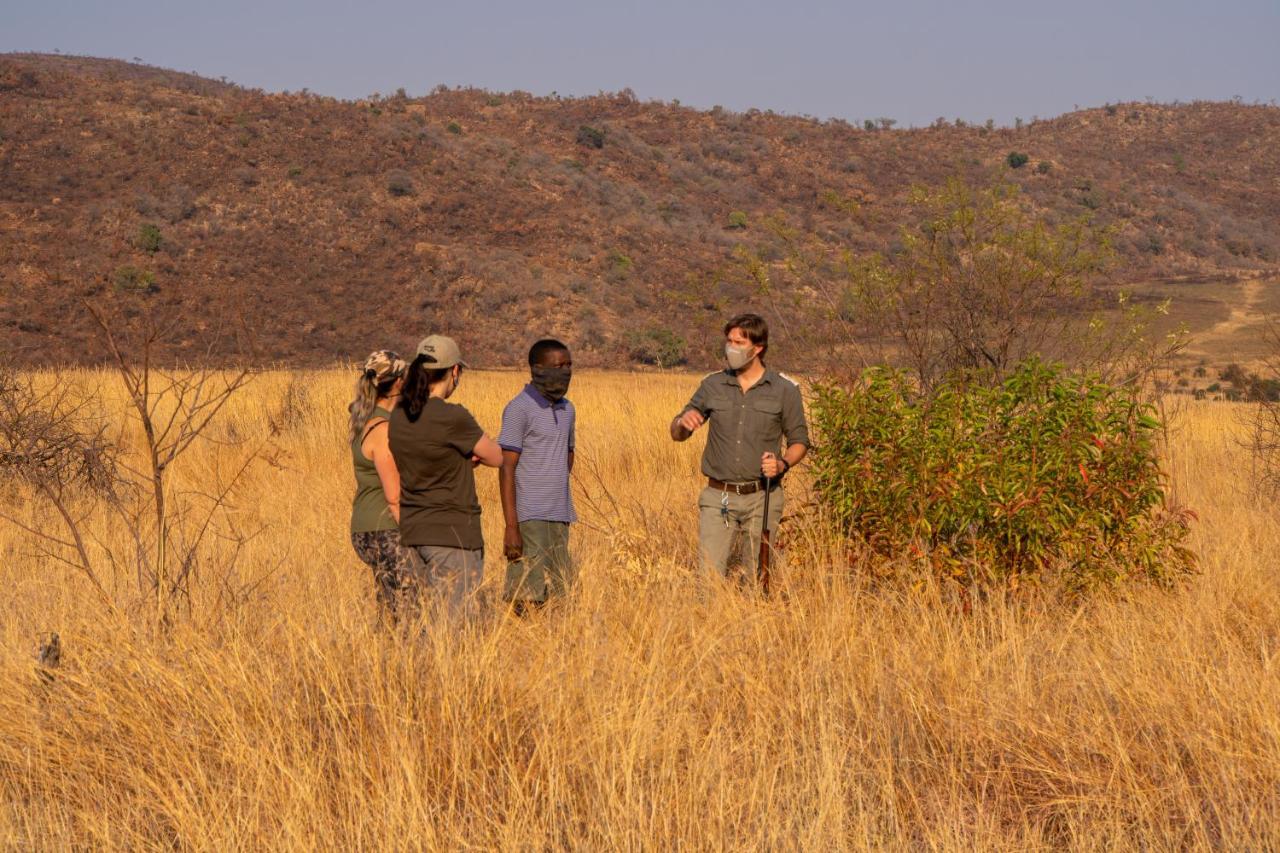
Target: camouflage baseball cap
[(383, 364), (440, 352)]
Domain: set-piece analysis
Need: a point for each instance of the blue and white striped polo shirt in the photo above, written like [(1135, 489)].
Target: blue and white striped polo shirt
[(543, 434)]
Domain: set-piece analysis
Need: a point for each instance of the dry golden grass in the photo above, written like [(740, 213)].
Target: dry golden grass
[(655, 710)]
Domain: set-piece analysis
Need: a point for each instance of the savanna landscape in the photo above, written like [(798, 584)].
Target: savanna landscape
[(1019, 603), (654, 709)]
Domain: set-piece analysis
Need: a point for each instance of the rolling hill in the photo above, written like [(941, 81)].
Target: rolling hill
[(334, 227)]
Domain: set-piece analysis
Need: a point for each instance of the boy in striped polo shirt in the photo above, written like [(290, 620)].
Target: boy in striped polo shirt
[(537, 441)]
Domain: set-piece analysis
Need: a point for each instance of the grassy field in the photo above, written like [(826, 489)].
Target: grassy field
[(657, 709), (1228, 320)]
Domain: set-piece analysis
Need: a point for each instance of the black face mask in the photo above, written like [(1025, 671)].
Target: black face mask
[(552, 382)]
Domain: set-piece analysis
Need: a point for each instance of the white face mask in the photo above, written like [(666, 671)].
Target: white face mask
[(738, 357)]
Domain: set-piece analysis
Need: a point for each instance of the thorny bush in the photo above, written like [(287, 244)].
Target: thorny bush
[(1048, 477)]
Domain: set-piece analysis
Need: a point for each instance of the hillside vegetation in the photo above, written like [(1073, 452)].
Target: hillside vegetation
[(334, 226)]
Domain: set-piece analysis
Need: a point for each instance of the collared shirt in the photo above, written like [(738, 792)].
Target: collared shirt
[(744, 425), (542, 433)]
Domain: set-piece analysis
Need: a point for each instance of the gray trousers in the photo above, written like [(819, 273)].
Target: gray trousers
[(728, 522), (449, 576)]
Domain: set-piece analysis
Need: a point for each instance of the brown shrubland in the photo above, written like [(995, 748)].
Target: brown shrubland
[(654, 709), (283, 206)]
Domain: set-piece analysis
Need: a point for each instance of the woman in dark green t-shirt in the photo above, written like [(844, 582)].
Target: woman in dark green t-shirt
[(375, 510), (436, 444)]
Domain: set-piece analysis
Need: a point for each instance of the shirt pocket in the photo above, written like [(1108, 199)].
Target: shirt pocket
[(766, 419)]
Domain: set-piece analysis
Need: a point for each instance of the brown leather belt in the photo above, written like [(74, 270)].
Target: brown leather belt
[(737, 488)]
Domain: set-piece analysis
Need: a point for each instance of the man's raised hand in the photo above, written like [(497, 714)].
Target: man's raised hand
[(691, 420)]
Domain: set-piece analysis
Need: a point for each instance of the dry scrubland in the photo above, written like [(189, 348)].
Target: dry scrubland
[(654, 710), (483, 209)]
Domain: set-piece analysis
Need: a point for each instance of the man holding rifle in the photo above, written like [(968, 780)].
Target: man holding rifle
[(751, 410)]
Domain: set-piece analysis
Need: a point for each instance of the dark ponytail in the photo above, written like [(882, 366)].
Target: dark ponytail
[(417, 386)]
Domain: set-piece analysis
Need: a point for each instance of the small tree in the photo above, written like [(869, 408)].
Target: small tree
[(174, 409), (1235, 374), (149, 238), (619, 264), (399, 183), (130, 279), (976, 281), (591, 137), (980, 282), (657, 346)]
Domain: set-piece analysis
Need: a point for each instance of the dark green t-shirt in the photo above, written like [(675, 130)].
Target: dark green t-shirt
[(438, 504)]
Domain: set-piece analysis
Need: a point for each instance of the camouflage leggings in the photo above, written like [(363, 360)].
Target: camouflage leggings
[(380, 550)]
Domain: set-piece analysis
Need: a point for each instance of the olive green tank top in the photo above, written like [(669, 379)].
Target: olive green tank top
[(369, 511)]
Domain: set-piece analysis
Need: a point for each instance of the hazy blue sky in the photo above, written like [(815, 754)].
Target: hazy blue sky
[(913, 60)]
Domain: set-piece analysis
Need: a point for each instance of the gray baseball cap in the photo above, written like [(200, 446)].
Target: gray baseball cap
[(441, 352)]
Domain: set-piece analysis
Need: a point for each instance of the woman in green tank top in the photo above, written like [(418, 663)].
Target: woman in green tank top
[(375, 511)]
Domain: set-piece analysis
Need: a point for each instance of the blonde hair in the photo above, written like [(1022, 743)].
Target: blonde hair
[(381, 372)]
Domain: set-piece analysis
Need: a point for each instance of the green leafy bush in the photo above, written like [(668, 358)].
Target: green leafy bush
[(591, 137), (657, 346), (149, 238), (1049, 476), (618, 266), (737, 221), (1017, 159), (134, 280)]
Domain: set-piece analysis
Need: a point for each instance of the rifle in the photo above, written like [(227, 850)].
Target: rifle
[(762, 562)]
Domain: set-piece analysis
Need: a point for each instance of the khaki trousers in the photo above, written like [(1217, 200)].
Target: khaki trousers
[(449, 576), (729, 523)]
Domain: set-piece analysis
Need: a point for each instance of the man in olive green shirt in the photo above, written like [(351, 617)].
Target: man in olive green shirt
[(751, 410)]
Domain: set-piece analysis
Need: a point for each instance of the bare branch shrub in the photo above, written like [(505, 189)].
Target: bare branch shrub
[(53, 439), (174, 408), (976, 282)]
